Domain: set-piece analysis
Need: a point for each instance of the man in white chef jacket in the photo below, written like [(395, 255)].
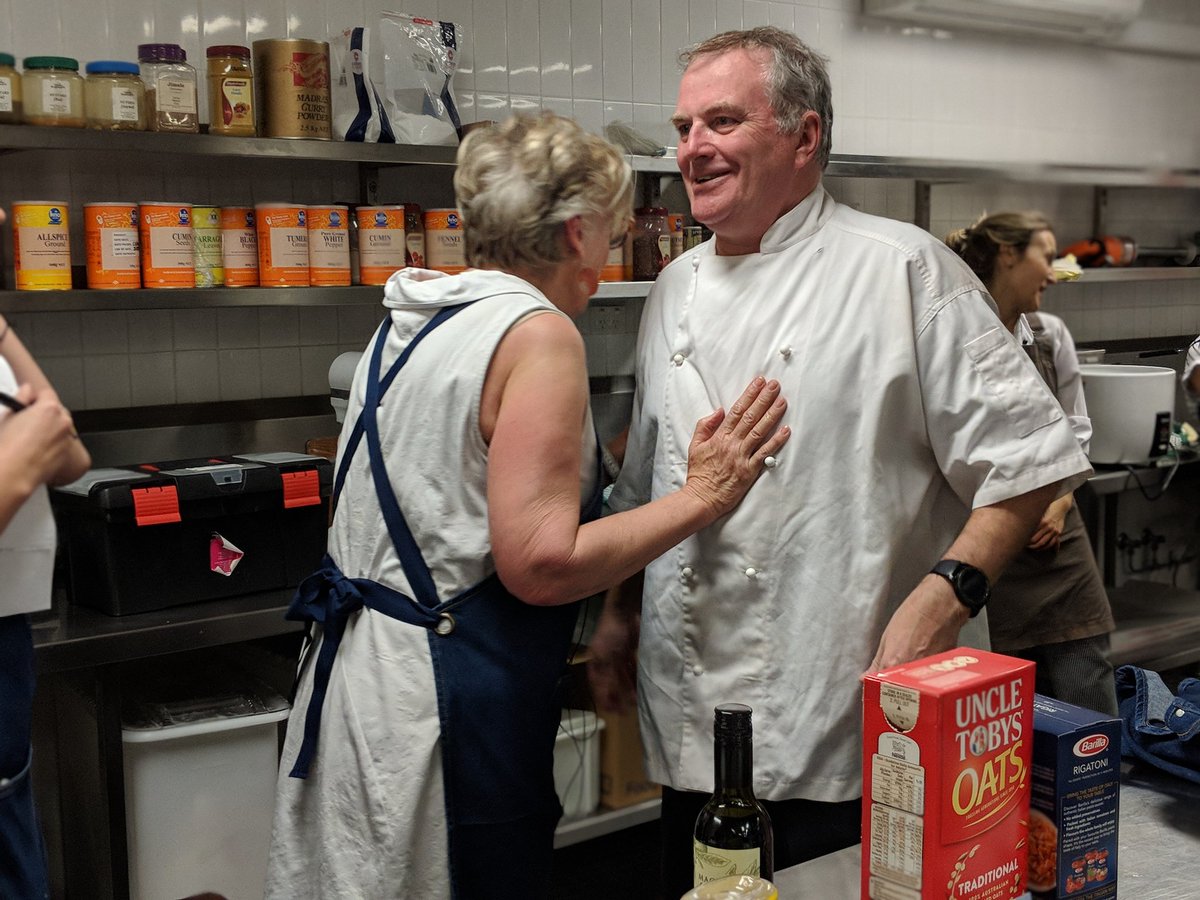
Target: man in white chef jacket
[(921, 433)]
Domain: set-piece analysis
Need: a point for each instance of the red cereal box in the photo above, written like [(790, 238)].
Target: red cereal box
[(947, 755)]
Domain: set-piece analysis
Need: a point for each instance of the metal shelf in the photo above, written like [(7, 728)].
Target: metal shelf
[(622, 290), (187, 298), (14, 138), (935, 170), (1138, 273), (575, 831)]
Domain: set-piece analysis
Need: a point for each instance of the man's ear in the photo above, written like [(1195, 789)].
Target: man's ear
[(808, 138)]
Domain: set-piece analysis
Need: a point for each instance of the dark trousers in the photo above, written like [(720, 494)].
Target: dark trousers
[(1075, 672), (22, 853), (803, 829)]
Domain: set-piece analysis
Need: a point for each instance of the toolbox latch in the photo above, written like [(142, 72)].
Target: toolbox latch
[(302, 488), (155, 505)]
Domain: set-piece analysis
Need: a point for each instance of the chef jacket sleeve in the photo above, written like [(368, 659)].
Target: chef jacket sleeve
[(996, 430)]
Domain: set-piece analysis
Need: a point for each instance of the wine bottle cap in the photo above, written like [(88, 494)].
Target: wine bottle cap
[(732, 719)]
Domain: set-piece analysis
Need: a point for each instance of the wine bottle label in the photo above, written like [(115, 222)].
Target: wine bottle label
[(711, 863)]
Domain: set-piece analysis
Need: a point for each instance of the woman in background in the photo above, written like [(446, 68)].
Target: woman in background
[(38, 446), (457, 549), (1050, 605)]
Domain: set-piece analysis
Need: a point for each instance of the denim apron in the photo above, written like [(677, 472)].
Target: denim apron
[(497, 665)]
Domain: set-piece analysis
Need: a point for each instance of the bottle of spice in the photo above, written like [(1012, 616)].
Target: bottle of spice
[(114, 97), (170, 88), (230, 91), (651, 243), (53, 91), (10, 90), (414, 236)]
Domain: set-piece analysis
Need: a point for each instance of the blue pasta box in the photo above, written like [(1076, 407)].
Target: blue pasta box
[(1073, 814), (155, 535)]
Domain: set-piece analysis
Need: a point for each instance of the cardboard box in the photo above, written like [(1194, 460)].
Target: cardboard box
[(946, 777), (623, 779), (1076, 787), (152, 536)]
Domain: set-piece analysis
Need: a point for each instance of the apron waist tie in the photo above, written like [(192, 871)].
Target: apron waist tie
[(328, 597)]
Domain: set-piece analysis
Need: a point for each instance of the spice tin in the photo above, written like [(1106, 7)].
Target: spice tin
[(41, 245), (381, 244), (110, 231), (444, 250), (291, 88), (210, 271), (168, 244), (282, 244), (239, 246), (328, 245), (618, 265)]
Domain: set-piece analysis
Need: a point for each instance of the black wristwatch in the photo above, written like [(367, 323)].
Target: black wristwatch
[(971, 586)]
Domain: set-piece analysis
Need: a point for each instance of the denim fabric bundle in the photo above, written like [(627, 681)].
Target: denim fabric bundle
[(1158, 726)]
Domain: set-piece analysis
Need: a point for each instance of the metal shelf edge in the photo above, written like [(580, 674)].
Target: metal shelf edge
[(576, 831), (83, 300)]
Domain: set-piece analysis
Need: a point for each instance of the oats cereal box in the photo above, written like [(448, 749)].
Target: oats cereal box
[(1076, 786), (946, 777)]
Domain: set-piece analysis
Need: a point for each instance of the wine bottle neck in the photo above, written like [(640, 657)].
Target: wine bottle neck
[(733, 766)]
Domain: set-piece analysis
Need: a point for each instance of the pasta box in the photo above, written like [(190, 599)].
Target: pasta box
[(946, 777), (151, 536), (1076, 788)]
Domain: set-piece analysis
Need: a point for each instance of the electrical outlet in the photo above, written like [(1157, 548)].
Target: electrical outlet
[(607, 319)]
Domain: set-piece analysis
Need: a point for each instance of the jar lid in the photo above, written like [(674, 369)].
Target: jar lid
[(51, 62), (161, 53), (651, 211), (111, 67), (7, 59), (228, 50)]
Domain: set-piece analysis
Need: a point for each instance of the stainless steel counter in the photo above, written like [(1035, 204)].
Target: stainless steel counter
[(1158, 856)]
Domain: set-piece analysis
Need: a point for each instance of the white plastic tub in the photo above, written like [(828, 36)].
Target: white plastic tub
[(577, 762), (1131, 408), (200, 792)]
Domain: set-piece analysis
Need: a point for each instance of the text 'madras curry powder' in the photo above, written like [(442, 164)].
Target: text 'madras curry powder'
[(947, 753)]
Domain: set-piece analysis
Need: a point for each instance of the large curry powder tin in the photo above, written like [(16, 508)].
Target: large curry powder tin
[(292, 88)]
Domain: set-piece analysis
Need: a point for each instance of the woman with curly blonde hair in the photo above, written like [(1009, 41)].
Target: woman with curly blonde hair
[(419, 754)]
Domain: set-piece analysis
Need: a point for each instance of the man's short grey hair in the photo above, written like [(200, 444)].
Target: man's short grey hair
[(797, 77), (519, 181)]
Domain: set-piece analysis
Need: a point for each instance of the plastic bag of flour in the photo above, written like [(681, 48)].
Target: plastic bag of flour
[(358, 111), (420, 57)]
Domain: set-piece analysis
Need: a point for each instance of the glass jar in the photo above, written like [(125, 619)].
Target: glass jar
[(651, 243), (52, 89), (170, 88), (114, 97), (230, 91), (10, 90)]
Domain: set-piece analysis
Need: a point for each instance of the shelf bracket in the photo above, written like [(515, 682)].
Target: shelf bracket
[(1099, 211), (368, 183), (922, 203)]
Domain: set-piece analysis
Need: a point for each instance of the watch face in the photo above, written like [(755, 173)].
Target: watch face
[(973, 585)]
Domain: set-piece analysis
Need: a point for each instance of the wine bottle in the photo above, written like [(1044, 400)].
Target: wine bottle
[(733, 831)]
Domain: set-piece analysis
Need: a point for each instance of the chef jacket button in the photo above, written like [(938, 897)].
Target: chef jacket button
[(697, 671), (685, 574), (677, 359), (786, 352), (751, 572)]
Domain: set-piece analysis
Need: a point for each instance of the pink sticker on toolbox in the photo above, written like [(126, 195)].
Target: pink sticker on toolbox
[(223, 556)]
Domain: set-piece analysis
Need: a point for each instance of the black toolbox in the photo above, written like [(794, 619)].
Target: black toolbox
[(151, 536)]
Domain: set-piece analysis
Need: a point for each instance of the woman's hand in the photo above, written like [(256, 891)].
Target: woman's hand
[(36, 440), (728, 452)]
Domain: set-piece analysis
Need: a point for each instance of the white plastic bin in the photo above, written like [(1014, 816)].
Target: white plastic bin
[(577, 762), (200, 770)]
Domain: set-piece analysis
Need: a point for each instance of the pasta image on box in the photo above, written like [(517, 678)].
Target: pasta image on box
[(1076, 787), (947, 751)]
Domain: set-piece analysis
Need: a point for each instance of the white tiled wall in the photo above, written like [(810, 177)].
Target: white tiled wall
[(909, 94)]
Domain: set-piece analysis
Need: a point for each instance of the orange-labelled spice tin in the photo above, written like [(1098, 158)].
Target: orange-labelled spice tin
[(167, 244), (110, 232), (239, 246), (381, 242), (329, 245), (282, 244), (444, 249), (41, 245)]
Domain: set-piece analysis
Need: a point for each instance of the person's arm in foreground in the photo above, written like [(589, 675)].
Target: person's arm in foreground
[(537, 387), (929, 619)]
